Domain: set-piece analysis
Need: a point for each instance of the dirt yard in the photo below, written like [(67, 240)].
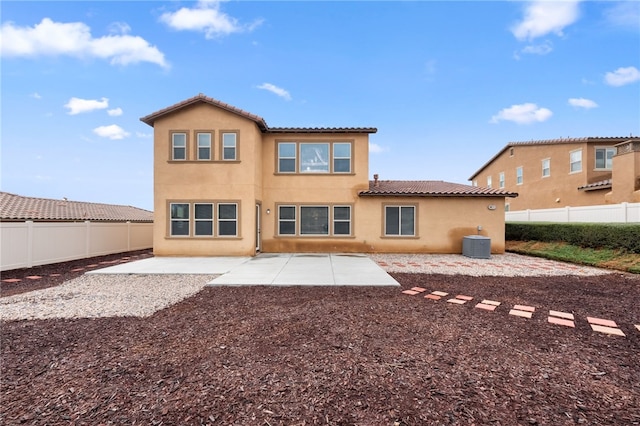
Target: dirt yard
[(338, 356)]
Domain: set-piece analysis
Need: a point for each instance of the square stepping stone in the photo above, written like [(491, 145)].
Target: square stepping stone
[(440, 293), (463, 297), (410, 292), (607, 330), (457, 301), (559, 314), (432, 297), (34, 277), (418, 289), (12, 280), (486, 307), (518, 313), (638, 326), (525, 308), (560, 321), (490, 302), (603, 322)]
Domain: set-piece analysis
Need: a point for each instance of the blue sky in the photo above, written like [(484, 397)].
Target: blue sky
[(447, 84)]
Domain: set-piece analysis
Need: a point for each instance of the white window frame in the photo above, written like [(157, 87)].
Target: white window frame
[(547, 162), (281, 157), (608, 163), (288, 220), (227, 144), (501, 179), (326, 230), (226, 220), (173, 220), (519, 175), (200, 146), (336, 221), (335, 157), (323, 166), (573, 161), (197, 220), (400, 208), (174, 147)]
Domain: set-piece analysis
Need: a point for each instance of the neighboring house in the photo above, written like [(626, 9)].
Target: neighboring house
[(565, 172), (227, 184), (39, 231)]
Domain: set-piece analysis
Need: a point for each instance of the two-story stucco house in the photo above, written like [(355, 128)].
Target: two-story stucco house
[(565, 172), (225, 183)]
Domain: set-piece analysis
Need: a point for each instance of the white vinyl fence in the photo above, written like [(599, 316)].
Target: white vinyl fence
[(27, 244), (608, 213)]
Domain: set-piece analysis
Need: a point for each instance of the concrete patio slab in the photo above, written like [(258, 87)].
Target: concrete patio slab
[(175, 265)]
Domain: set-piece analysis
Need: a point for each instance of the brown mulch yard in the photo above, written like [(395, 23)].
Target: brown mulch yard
[(339, 356)]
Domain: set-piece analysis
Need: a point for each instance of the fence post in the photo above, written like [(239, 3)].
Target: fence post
[(87, 242), (30, 237), (128, 235), (625, 211), (568, 216), (528, 215)]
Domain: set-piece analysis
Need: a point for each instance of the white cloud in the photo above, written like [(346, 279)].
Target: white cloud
[(375, 148), (206, 17), (543, 17), (77, 105), (538, 49), (35, 95), (113, 132), (526, 113), (622, 76), (144, 135), (624, 14), (582, 103), (115, 112), (49, 38), (275, 89)]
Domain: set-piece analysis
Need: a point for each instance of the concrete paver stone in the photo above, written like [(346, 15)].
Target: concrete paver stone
[(519, 313), (432, 297), (607, 330), (560, 321), (486, 307), (559, 314), (440, 293), (525, 308), (603, 322), (410, 292), (490, 302), (457, 301)]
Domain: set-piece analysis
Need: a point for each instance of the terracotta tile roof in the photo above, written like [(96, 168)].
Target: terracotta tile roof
[(430, 188), (151, 118), (603, 184), (322, 130), (591, 139), (16, 207), (262, 125)]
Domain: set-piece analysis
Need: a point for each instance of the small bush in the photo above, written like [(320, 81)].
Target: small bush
[(588, 235)]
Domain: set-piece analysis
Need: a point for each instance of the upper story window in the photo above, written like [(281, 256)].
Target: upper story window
[(314, 157), (546, 167), (178, 146), (501, 177), (575, 161), (400, 221), (474, 183), (604, 158), (489, 182), (204, 146), (519, 177), (229, 146)]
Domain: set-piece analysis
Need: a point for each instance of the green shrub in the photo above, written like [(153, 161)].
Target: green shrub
[(588, 235)]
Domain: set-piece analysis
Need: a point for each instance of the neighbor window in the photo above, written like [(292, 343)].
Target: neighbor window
[(501, 178), (179, 219), (604, 158), (488, 181), (229, 148), (575, 161), (519, 175), (314, 220), (342, 158), (204, 146), (287, 157), (287, 220), (314, 158), (227, 220), (203, 218), (342, 220), (399, 220), (546, 167), (178, 146)]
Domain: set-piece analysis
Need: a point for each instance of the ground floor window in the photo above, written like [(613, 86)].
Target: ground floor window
[(314, 220), (400, 221), (203, 219)]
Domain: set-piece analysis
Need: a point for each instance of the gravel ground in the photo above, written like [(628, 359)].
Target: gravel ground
[(502, 265), (96, 296)]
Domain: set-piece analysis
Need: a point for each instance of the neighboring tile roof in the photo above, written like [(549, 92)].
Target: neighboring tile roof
[(262, 125), (151, 118), (603, 184), (432, 188), (561, 141), (16, 207)]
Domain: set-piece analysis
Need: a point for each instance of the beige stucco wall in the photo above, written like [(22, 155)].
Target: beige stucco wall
[(626, 175), (189, 181), (557, 190)]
